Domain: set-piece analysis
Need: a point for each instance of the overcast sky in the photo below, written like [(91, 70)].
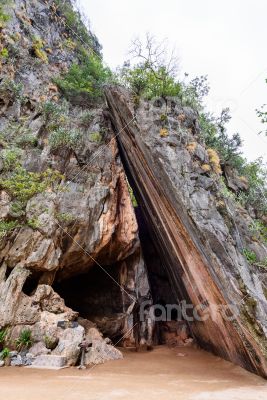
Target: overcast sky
[(225, 40)]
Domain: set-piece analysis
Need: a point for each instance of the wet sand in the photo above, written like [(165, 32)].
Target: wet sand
[(160, 374)]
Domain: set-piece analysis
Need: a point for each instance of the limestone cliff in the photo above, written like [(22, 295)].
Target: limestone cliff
[(65, 207), (69, 231), (200, 233)]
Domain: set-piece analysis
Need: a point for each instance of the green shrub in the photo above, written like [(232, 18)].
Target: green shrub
[(86, 79), (76, 26), (24, 340), (65, 217), (27, 140), (63, 137), (4, 18), (4, 53), (3, 335), (132, 196), (33, 223), (5, 353), (16, 89), (7, 227), (38, 49), (258, 229), (144, 82), (17, 209), (23, 185), (95, 137), (53, 111), (50, 342), (11, 158), (250, 256)]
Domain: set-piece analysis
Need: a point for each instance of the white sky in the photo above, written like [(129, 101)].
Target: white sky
[(225, 40)]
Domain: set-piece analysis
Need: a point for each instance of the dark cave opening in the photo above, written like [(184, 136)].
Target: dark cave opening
[(97, 297)]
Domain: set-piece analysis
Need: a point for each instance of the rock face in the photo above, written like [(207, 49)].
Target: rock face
[(199, 233), (65, 210), (70, 241)]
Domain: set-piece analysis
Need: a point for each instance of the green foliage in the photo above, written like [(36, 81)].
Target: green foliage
[(3, 335), (259, 230), (53, 111), (145, 82), (4, 53), (4, 18), (213, 131), (6, 227), (27, 140), (11, 158), (50, 342), (86, 79), (38, 49), (75, 24), (250, 256), (23, 185), (252, 259), (5, 353), (63, 137), (96, 137), (65, 217), (256, 173), (132, 196), (17, 209), (33, 223), (16, 89), (24, 340), (193, 92)]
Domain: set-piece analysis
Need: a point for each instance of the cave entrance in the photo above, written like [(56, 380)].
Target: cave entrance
[(97, 297)]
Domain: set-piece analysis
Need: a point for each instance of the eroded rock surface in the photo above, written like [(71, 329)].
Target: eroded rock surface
[(200, 233), (66, 209)]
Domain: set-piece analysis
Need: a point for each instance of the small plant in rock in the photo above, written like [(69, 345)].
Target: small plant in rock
[(214, 161), (85, 80), (258, 230), (33, 223), (132, 196), (4, 53), (17, 209), (11, 158), (22, 184), (3, 335), (86, 118), (250, 256), (65, 217), (4, 18), (95, 137), (63, 137), (10, 86), (38, 49), (5, 353), (50, 342), (27, 140), (54, 112), (24, 341), (6, 227)]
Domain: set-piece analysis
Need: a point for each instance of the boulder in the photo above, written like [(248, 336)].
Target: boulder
[(68, 345), (38, 349)]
